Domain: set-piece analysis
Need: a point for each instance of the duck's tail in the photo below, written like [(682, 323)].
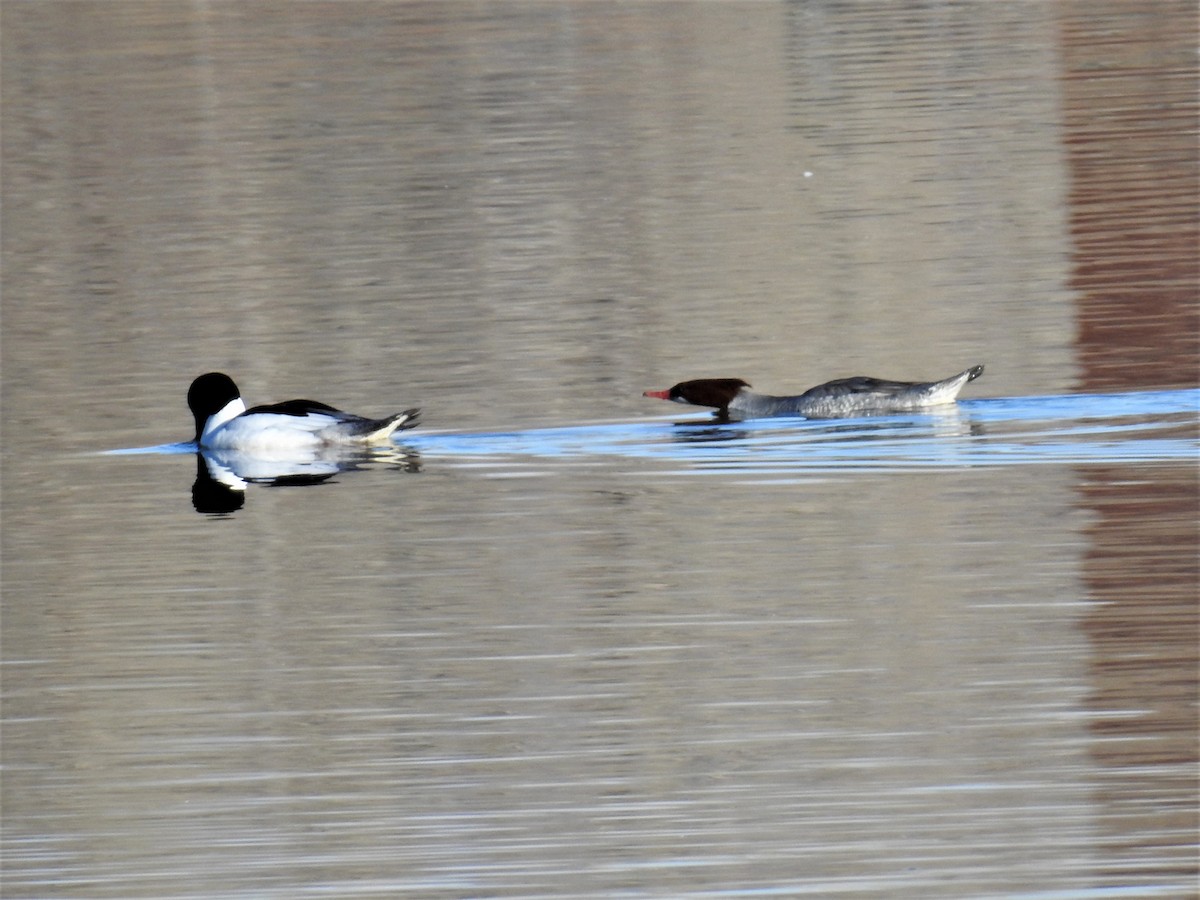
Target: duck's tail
[(946, 391), (379, 430)]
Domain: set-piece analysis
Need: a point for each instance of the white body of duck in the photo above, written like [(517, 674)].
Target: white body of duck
[(224, 423)]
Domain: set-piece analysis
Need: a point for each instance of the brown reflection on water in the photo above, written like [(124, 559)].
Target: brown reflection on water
[(1129, 90), (1141, 573)]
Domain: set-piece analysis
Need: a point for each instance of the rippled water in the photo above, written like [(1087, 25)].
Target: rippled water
[(562, 640), (1134, 427), (1137, 427)]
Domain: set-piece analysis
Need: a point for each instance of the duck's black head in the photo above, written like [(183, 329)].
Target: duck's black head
[(210, 394)]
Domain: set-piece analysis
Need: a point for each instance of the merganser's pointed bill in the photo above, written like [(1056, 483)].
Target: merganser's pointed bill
[(224, 423)]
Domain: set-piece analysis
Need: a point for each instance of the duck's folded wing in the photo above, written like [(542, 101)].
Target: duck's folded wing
[(295, 408)]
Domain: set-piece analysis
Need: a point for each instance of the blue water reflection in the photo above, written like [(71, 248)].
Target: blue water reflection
[(1150, 426), (1136, 427)]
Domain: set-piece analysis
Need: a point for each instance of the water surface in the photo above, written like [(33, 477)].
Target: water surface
[(565, 641)]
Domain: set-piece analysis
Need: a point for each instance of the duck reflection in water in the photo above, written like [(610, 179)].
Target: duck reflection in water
[(866, 427), (709, 432), (223, 476)]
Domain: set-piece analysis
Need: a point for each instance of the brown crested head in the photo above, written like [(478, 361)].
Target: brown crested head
[(714, 392)]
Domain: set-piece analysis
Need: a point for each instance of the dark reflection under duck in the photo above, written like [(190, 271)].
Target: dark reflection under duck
[(866, 425), (223, 476), (709, 432)]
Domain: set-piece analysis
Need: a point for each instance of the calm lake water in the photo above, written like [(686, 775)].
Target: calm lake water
[(563, 640)]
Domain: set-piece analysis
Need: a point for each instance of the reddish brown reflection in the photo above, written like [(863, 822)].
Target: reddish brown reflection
[(1130, 88)]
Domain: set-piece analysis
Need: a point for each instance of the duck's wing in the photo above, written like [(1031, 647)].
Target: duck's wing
[(859, 384), (296, 408)]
